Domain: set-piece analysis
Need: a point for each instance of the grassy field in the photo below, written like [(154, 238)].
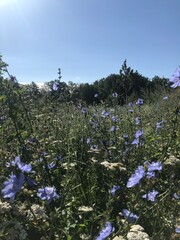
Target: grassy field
[(88, 172)]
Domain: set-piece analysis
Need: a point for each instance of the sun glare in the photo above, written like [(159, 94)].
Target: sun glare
[(4, 3)]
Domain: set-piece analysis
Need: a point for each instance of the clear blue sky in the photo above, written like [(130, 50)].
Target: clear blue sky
[(89, 39)]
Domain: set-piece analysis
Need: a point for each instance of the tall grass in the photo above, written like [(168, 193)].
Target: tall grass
[(86, 156)]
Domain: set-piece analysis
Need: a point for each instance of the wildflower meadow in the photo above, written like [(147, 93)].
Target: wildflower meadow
[(74, 171)]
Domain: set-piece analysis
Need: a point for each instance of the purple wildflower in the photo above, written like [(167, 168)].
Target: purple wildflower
[(106, 231), (55, 86), (135, 178), (139, 102), (47, 193), (12, 186), (175, 78), (176, 196), (159, 125), (114, 189), (165, 97), (114, 119), (112, 129), (150, 174), (131, 110), (115, 94), (88, 140), (96, 95), (84, 110), (150, 195), (139, 133), (138, 120), (130, 104), (94, 147), (155, 166), (135, 141), (24, 167), (105, 113), (51, 165), (15, 161), (126, 137), (177, 230), (131, 217)]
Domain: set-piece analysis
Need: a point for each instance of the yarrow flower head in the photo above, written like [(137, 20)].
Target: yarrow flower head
[(47, 194), (106, 231), (175, 78), (12, 186), (150, 195), (131, 217), (135, 178)]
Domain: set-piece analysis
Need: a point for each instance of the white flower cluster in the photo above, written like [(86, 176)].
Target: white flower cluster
[(4, 207), (36, 212)]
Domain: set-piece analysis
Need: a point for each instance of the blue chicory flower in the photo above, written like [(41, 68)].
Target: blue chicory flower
[(159, 125), (139, 102), (150, 174), (135, 178), (51, 165), (175, 78), (131, 110), (165, 97), (47, 193), (176, 196), (114, 189), (84, 110), (105, 113), (177, 230), (150, 195), (88, 140), (96, 95), (15, 161), (24, 167), (115, 94), (139, 133), (138, 120), (12, 186), (131, 217), (155, 166), (112, 129), (135, 141), (55, 86), (106, 231)]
